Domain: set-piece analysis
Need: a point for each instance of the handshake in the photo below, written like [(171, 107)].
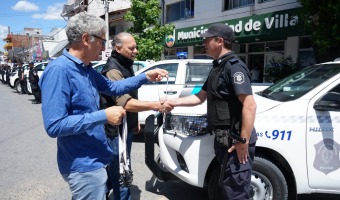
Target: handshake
[(115, 114)]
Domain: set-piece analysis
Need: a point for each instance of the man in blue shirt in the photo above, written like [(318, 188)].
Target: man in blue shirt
[(70, 107)]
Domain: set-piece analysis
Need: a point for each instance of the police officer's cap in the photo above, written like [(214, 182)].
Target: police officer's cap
[(219, 30), (31, 63)]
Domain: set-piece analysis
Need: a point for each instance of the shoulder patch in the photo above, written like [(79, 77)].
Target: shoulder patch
[(238, 78), (233, 61)]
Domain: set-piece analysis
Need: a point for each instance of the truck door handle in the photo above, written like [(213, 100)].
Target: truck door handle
[(170, 92)]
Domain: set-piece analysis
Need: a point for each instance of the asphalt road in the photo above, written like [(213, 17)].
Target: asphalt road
[(28, 168)]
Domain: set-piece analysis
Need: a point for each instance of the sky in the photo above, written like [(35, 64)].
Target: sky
[(41, 14)]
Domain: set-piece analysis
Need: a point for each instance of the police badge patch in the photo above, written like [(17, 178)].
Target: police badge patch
[(238, 78), (327, 156)]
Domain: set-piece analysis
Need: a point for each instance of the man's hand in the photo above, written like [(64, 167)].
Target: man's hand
[(156, 74), (137, 130), (114, 115), (165, 106), (241, 150)]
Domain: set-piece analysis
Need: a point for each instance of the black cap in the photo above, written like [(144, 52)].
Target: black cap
[(219, 30), (31, 63)]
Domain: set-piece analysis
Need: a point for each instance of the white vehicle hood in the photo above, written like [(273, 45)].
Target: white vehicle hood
[(264, 104)]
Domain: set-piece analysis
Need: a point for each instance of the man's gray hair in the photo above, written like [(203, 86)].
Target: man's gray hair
[(117, 40), (84, 23)]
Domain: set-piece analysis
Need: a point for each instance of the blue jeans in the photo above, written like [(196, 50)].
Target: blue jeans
[(87, 185), (119, 193)]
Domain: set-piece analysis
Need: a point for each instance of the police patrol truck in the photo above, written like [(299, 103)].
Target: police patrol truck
[(298, 127)]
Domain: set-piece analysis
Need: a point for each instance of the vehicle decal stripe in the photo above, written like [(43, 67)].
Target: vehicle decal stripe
[(190, 90), (196, 89), (297, 119)]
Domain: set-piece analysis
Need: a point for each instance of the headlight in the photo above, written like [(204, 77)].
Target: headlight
[(188, 125)]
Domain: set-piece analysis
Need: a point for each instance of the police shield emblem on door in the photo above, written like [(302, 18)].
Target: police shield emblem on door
[(327, 156)]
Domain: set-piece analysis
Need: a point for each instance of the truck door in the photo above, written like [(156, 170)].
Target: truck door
[(153, 91), (323, 143)]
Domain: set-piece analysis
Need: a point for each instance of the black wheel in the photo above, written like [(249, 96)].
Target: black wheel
[(268, 181), (213, 189), (18, 87)]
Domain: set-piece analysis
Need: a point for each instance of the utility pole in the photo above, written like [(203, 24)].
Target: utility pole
[(106, 7)]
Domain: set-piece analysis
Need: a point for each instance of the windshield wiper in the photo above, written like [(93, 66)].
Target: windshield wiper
[(266, 95)]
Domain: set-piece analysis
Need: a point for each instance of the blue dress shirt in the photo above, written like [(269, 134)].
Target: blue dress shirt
[(70, 108)]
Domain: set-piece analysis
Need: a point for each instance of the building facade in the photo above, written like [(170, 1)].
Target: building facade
[(264, 29), (112, 11), (19, 47)]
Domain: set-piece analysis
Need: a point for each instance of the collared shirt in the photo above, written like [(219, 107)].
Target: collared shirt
[(70, 108)]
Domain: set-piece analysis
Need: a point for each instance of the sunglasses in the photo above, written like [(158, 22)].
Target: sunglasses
[(206, 38), (103, 40)]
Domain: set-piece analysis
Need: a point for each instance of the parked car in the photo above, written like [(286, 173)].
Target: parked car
[(186, 76), (99, 66), (297, 152), (4, 73), (14, 79), (137, 65)]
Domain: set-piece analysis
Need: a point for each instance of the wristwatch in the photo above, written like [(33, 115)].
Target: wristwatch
[(237, 138)]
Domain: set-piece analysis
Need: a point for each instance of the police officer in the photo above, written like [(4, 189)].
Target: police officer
[(230, 109), (21, 77), (34, 79)]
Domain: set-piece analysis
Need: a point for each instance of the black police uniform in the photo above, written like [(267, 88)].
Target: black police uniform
[(34, 79), (21, 81), (228, 78)]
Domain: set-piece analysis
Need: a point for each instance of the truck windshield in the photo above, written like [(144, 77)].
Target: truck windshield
[(301, 82)]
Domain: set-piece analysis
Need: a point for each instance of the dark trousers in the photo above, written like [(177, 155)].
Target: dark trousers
[(36, 91), (21, 82), (237, 177)]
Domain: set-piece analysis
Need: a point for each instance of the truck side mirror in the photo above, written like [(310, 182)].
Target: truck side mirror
[(329, 102)]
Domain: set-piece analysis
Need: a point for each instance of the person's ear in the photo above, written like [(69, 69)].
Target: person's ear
[(86, 39), (118, 49)]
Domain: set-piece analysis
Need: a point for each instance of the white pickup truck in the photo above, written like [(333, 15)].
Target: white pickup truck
[(297, 152), (186, 76)]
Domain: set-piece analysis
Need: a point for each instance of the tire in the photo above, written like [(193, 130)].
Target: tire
[(268, 181), (18, 87)]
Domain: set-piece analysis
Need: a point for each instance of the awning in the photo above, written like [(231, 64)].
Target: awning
[(58, 49)]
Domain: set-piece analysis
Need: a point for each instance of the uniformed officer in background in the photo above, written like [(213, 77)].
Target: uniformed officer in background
[(21, 77), (230, 102), (34, 79)]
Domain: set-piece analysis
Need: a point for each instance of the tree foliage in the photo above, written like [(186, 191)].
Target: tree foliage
[(147, 30), (280, 68), (322, 19)]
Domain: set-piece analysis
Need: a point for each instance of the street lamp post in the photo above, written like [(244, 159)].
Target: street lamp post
[(107, 2), (28, 44), (22, 56)]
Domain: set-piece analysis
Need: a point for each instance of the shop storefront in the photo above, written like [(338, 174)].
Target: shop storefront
[(258, 39)]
